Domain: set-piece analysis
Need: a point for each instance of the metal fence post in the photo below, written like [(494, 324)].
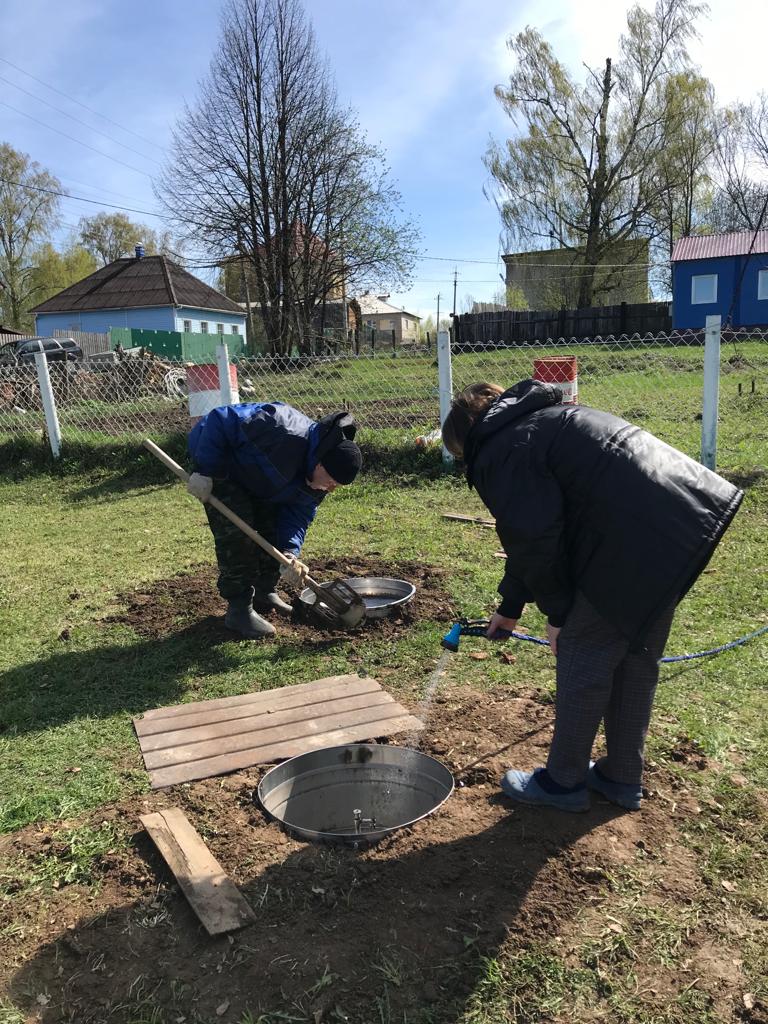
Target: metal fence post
[(49, 402), (225, 382), (445, 377), (711, 391)]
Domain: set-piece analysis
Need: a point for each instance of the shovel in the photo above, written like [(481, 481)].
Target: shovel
[(337, 603)]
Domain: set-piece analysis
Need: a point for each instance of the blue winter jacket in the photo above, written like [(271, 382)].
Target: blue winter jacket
[(270, 449)]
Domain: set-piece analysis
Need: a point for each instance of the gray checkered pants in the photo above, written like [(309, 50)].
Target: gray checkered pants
[(600, 679)]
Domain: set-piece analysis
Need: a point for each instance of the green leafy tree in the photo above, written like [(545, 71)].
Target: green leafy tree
[(28, 214), (54, 271), (582, 170), (110, 236)]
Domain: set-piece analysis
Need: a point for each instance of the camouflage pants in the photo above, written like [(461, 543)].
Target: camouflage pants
[(242, 563)]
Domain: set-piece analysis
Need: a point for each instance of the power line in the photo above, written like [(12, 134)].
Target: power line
[(81, 199), (71, 138), (79, 121), (73, 100)]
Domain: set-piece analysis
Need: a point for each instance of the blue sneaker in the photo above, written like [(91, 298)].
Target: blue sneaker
[(624, 794), (525, 788)]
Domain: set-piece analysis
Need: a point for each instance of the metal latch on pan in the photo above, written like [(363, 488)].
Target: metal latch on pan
[(362, 823)]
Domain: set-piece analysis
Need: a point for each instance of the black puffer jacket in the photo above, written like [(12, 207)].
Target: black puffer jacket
[(584, 500)]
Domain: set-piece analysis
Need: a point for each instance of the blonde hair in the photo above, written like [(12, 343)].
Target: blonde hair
[(467, 408)]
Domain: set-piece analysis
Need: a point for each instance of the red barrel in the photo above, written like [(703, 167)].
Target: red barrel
[(560, 370), (203, 390)]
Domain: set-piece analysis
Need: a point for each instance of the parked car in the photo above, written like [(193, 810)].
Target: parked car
[(23, 351)]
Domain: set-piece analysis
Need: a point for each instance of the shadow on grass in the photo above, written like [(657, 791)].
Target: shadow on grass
[(401, 934), (119, 678)]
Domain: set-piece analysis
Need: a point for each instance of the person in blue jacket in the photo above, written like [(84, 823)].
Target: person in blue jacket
[(272, 465)]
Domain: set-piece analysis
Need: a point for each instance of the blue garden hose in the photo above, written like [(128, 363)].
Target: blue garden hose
[(479, 627)]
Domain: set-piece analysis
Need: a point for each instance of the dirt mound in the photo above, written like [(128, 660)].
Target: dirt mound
[(169, 605)]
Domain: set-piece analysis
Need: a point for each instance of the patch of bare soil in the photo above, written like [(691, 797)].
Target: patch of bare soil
[(340, 935), (168, 606)]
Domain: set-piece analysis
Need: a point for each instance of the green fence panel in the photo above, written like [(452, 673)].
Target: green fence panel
[(188, 346)]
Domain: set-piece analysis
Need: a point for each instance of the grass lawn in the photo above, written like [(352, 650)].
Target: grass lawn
[(670, 926)]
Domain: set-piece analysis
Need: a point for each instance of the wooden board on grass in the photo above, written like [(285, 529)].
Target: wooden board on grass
[(212, 894), (213, 737), (489, 523)]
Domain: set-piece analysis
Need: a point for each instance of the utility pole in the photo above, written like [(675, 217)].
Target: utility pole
[(437, 322), (455, 278)]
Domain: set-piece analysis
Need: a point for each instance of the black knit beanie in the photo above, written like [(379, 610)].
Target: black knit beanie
[(343, 462)]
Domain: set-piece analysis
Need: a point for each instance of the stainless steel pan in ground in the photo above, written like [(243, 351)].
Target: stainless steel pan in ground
[(380, 594), (354, 794)]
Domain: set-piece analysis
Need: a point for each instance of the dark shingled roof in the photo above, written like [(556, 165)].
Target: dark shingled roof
[(130, 282)]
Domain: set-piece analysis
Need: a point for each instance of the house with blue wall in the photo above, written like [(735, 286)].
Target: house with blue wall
[(141, 292), (720, 275)]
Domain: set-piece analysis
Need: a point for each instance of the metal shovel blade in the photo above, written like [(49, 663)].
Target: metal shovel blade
[(337, 605)]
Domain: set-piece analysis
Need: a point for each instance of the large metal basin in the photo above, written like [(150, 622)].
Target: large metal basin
[(380, 594), (354, 794)]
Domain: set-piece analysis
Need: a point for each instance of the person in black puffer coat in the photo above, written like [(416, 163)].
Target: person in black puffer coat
[(605, 528)]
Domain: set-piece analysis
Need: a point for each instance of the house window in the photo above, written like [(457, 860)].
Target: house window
[(235, 329), (219, 328), (762, 284), (188, 326), (203, 326), (703, 289)]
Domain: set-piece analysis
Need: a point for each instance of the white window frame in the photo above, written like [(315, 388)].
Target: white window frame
[(187, 326), (235, 329), (203, 326), (702, 278), (219, 328), (762, 284)]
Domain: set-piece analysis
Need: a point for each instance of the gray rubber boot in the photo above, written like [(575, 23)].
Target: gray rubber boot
[(271, 602), (242, 619)]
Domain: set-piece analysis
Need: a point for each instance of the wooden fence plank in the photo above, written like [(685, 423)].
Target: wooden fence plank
[(211, 893)]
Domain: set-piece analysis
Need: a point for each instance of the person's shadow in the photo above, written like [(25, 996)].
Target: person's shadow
[(407, 931), (130, 678)]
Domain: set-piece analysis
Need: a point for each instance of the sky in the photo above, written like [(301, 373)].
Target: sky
[(110, 78)]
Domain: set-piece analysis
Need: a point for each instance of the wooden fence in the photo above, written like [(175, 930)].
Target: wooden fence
[(521, 327)]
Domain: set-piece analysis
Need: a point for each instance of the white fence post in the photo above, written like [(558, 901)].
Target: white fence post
[(49, 402), (445, 376), (711, 391), (225, 382)]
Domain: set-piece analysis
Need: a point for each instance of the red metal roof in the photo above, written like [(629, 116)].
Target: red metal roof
[(707, 247)]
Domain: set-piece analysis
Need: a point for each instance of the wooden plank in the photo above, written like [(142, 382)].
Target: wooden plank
[(265, 739), (490, 523), (499, 554), (223, 764), (264, 702), (262, 722), (211, 893), (244, 698)]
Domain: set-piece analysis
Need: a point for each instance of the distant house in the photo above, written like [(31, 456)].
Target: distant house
[(549, 278), (725, 275), (378, 313), (140, 292)]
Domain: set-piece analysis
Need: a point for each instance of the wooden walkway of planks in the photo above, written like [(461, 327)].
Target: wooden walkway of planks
[(213, 737)]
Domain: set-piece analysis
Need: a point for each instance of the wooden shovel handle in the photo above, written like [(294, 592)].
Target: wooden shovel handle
[(230, 515)]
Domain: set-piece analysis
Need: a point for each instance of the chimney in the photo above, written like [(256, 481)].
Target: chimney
[(139, 252)]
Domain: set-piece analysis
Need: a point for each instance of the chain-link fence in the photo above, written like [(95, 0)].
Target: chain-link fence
[(653, 380)]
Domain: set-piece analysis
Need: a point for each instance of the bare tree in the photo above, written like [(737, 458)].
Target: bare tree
[(268, 168), (28, 212), (739, 193), (584, 172)]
